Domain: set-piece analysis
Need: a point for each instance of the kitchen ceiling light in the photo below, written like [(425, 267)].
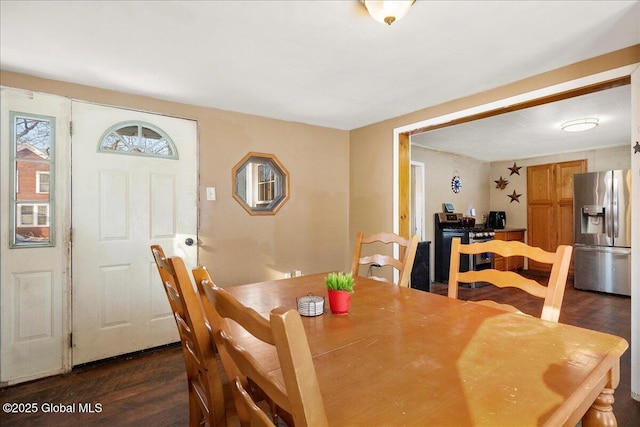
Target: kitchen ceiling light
[(387, 12), (579, 125)]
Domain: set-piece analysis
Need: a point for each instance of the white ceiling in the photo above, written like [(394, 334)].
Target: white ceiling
[(324, 63), (536, 131)]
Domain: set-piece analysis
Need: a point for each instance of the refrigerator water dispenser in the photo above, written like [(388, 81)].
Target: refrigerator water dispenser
[(593, 219)]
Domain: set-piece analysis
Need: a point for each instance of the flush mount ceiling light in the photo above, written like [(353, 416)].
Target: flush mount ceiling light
[(387, 12), (579, 125)]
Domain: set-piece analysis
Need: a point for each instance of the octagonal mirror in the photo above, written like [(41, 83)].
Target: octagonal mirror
[(260, 184)]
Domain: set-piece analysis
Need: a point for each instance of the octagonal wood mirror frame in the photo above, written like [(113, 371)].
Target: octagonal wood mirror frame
[(260, 183)]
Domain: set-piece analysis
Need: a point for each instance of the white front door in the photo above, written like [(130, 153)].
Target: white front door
[(34, 235), (124, 199)]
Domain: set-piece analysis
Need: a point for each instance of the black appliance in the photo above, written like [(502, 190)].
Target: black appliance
[(497, 220), (448, 226), (421, 272)]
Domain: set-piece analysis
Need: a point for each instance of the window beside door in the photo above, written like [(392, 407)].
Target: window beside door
[(32, 142)]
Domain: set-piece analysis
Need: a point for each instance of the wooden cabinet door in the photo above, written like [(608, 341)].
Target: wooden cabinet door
[(550, 206), (565, 172), (513, 263), (540, 185)]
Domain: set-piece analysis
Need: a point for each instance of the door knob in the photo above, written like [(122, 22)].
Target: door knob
[(188, 241)]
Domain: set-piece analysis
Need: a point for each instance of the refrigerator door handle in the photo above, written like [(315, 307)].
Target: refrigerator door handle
[(614, 208)]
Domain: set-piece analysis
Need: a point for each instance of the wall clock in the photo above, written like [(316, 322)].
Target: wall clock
[(456, 184)]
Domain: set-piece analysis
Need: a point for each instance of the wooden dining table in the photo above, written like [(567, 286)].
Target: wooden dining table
[(405, 357)]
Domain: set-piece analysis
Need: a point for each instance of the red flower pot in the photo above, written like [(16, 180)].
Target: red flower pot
[(339, 301)]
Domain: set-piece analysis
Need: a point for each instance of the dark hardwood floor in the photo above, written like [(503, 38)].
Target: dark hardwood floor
[(149, 388), (145, 389)]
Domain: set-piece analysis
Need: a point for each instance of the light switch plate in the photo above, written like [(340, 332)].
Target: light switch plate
[(211, 193)]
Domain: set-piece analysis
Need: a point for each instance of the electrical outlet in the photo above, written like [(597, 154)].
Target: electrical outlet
[(297, 273), (287, 275)]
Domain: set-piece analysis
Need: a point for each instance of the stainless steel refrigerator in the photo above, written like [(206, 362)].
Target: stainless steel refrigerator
[(602, 231)]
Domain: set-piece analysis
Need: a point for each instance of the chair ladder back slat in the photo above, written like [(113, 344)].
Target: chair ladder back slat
[(251, 368), (379, 279), (257, 415), (229, 307), (174, 298), (504, 279), (381, 259), (386, 238), (509, 248), (189, 341)]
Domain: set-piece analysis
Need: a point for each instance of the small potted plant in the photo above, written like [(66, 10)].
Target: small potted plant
[(339, 288)]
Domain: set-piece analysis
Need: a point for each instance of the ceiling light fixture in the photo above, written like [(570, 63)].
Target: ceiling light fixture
[(387, 12), (579, 125)]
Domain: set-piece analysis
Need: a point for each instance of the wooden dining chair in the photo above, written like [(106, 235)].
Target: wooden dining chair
[(258, 417), (552, 294), (214, 323), (206, 398), (404, 264), (300, 395)]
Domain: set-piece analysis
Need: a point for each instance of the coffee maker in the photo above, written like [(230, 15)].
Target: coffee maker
[(497, 220)]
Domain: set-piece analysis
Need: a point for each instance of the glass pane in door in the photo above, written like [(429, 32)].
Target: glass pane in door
[(32, 148)]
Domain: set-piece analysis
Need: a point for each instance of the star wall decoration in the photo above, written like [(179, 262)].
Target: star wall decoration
[(636, 148), (501, 183), (515, 169), (514, 197)]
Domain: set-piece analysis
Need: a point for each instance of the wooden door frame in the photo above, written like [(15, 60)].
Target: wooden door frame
[(416, 170)]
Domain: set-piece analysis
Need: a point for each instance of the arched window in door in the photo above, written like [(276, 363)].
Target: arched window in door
[(137, 138)]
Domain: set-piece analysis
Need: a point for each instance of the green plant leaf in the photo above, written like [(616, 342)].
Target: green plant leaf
[(339, 281)]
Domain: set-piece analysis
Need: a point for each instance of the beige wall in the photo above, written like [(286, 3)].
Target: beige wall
[(371, 181), (309, 233), (439, 169)]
